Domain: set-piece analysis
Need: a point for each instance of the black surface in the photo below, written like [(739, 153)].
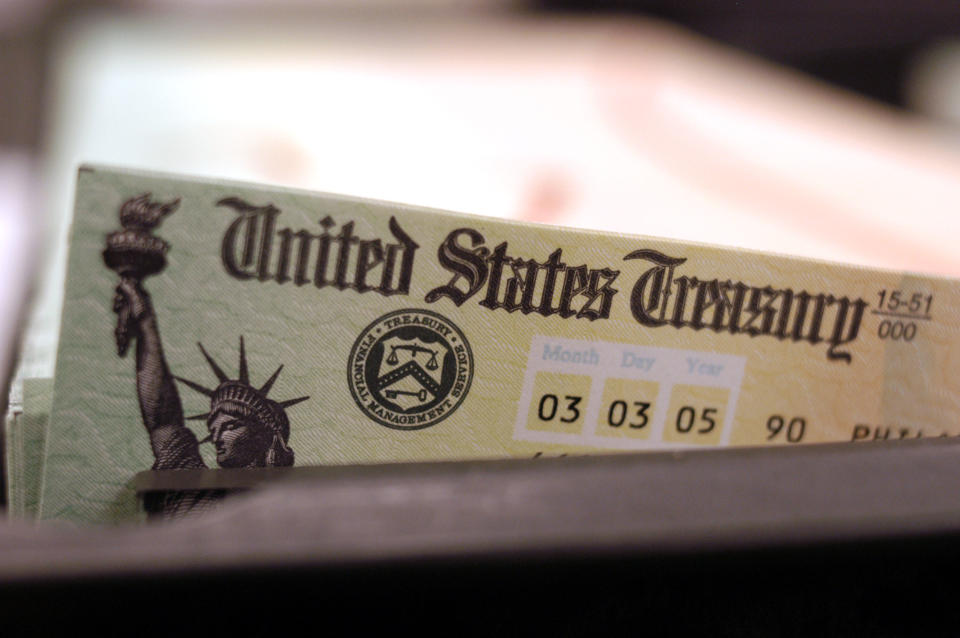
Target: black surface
[(904, 588), (824, 540)]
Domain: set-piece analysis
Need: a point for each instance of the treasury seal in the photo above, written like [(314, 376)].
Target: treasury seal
[(410, 369)]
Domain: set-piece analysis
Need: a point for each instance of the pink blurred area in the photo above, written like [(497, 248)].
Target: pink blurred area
[(628, 126)]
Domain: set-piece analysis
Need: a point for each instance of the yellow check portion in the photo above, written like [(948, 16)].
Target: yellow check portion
[(407, 334)]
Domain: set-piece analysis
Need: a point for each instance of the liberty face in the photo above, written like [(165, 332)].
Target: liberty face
[(239, 442)]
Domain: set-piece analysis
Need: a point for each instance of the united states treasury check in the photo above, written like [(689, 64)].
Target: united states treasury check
[(211, 323)]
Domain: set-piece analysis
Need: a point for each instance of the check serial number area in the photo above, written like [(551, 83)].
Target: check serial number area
[(623, 396)]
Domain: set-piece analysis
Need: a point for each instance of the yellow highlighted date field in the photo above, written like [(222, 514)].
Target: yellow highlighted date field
[(559, 402), (627, 396), (627, 408), (696, 414)]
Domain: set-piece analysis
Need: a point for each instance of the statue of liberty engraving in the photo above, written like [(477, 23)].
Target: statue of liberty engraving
[(247, 428)]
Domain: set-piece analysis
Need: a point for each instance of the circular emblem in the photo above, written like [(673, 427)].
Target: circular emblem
[(410, 369)]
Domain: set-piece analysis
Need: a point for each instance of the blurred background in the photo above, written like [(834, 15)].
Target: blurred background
[(826, 129)]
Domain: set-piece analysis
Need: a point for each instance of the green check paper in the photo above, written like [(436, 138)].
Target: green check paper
[(217, 324)]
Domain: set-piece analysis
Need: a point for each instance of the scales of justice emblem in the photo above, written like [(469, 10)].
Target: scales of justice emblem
[(410, 369), (402, 377)]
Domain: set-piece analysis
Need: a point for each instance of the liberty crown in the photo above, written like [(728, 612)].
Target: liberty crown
[(238, 397)]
